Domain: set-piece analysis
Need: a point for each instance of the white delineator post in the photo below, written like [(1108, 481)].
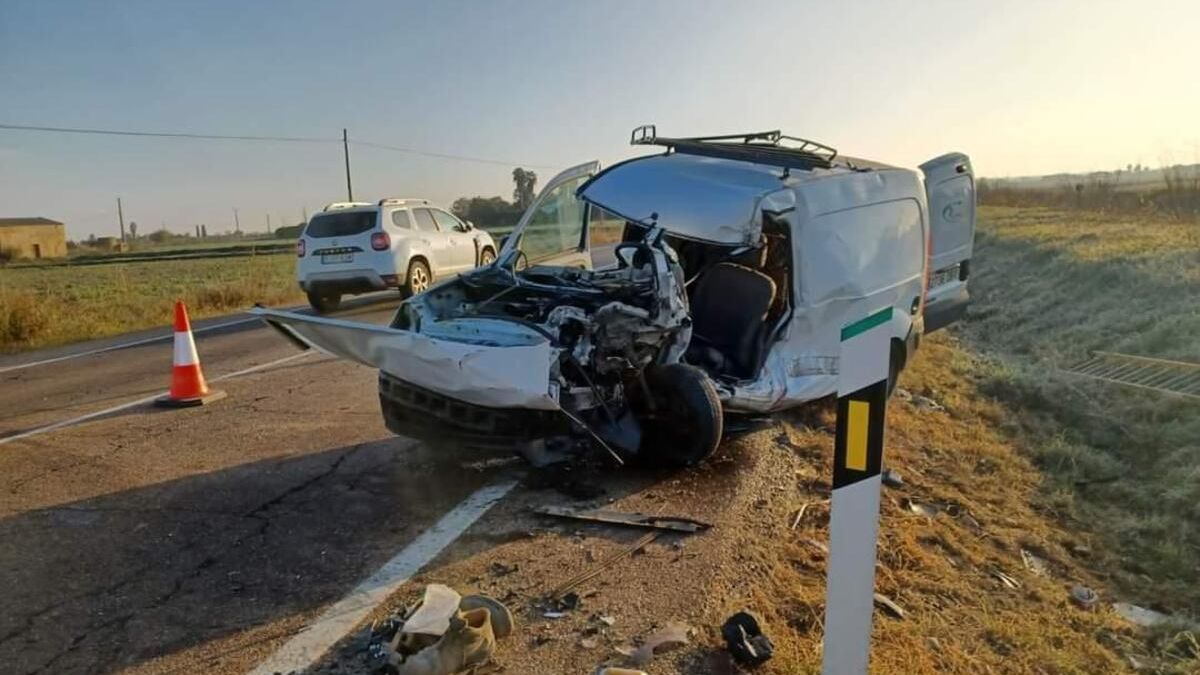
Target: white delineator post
[(854, 509)]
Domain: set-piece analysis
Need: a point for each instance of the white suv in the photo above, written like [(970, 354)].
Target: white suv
[(358, 247)]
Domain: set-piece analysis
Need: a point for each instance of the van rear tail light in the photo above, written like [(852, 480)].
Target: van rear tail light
[(300, 248), (380, 241)]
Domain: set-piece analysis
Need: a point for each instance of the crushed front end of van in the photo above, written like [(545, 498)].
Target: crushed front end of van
[(738, 262)]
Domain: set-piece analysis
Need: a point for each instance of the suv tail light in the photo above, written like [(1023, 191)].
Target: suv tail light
[(380, 241), (300, 248)]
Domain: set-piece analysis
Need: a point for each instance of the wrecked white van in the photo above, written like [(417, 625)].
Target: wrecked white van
[(740, 260)]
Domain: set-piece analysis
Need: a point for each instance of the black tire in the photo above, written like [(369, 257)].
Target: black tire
[(324, 301), (417, 279), (686, 426), (487, 256)]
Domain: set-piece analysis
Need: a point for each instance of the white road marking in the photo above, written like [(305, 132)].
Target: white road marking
[(141, 401), (311, 643), (123, 345)]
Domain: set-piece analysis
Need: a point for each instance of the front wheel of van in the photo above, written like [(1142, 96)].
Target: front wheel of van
[(324, 302), (684, 428)]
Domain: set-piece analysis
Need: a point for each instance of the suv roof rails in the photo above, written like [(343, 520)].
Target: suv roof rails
[(763, 147), (334, 206), (401, 201)]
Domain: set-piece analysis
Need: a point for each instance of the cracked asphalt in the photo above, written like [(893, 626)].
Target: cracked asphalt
[(156, 540)]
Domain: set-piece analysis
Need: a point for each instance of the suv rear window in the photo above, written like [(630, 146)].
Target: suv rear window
[(340, 224)]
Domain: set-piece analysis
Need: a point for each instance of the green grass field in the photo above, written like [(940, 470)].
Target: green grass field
[(44, 306), (1050, 286)]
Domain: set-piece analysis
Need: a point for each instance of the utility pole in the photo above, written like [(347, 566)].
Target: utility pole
[(237, 224), (121, 219), (268, 223), (346, 153)]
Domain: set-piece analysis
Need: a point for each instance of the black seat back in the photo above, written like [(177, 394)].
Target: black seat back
[(729, 311)]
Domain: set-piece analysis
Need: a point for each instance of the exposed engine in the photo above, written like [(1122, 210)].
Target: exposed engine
[(606, 327)]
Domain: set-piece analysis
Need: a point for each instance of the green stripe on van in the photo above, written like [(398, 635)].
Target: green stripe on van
[(863, 325)]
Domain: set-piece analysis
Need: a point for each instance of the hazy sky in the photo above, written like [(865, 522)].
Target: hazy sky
[(1023, 87)]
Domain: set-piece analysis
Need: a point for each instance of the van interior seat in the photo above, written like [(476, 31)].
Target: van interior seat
[(729, 316)]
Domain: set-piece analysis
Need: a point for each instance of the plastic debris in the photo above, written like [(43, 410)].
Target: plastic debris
[(927, 510), (925, 403), (673, 635), (1139, 615), (1033, 563), (889, 606), (433, 616), (745, 640), (619, 671), (1084, 597), (1006, 580), (892, 478)]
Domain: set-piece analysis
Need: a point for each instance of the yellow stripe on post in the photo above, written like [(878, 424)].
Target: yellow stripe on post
[(856, 435)]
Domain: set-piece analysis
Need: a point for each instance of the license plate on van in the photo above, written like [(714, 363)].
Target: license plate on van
[(943, 277), (336, 258)]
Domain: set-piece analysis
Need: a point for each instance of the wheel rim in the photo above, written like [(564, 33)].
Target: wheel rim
[(420, 279), (486, 258)]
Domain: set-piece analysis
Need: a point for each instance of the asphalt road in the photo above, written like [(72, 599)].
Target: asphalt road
[(133, 537)]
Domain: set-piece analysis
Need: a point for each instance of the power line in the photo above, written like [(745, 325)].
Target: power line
[(281, 139), (166, 134), (440, 155)]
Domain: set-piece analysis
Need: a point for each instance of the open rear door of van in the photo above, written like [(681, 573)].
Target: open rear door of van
[(950, 190)]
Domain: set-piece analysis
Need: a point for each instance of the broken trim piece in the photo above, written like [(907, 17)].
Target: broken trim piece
[(608, 517)]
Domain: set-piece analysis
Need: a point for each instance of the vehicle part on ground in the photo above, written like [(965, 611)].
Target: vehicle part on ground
[(1177, 378), (674, 634), (745, 639), (888, 606), (641, 520), (574, 582)]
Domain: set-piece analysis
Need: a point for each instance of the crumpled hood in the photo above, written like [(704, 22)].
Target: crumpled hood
[(704, 198), (509, 376)]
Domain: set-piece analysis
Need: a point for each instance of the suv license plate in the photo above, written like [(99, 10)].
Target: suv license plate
[(334, 258)]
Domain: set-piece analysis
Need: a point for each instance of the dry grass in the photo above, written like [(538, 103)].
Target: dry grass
[(960, 617), (56, 305), (1052, 286)]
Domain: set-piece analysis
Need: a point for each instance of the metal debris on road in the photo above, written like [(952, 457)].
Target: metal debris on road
[(604, 564), (892, 478), (745, 640), (673, 635), (1006, 579), (609, 517)]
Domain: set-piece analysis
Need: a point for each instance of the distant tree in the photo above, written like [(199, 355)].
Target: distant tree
[(160, 236), (203, 231), (486, 212), (289, 231), (525, 181), (132, 230)]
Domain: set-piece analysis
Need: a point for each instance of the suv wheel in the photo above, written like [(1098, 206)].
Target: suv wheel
[(418, 278), (686, 425), (324, 301)]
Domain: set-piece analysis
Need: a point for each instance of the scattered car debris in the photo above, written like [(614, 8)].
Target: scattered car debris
[(575, 581), (610, 670), (1140, 616), (610, 517), (745, 640), (926, 404), (903, 394), (469, 641), (607, 620), (492, 463), (432, 615), (673, 635), (499, 569), (803, 509), (1084, 597), (892, 478), (927, 510), (1006, 579), (1033, 563), (889, 606), (589, 643)]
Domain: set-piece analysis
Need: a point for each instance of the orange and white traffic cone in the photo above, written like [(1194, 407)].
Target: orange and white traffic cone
[(188, 387)]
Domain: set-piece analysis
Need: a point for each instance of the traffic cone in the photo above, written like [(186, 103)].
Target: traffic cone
[(188, 387)]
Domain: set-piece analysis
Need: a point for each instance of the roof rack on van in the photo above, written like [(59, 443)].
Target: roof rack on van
[(334, 206), (401, 201), (763, 147)]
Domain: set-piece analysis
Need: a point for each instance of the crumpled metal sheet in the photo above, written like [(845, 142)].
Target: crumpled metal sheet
[(515, 376)]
